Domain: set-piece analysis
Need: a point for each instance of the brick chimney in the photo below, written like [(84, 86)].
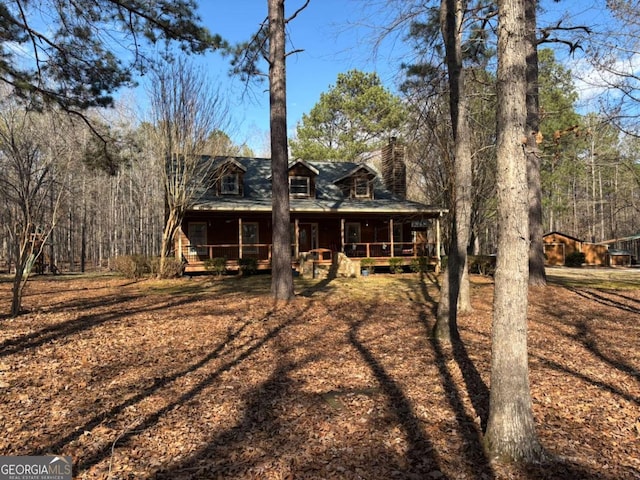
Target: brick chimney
[(394, 170)]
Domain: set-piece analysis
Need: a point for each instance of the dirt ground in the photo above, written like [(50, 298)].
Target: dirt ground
[(205, 379)]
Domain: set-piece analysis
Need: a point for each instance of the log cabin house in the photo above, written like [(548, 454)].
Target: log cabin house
[(341, 212)]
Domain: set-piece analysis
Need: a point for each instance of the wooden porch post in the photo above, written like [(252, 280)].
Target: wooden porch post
[(239, 237), (391, 234), (438, 261), (296, 234), (179, 251), (342, 235)]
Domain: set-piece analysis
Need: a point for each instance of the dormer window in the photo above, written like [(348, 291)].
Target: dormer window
[(302, 179), (357, 182), (361, 187), (229, 184), (229, 177), (299, 187)]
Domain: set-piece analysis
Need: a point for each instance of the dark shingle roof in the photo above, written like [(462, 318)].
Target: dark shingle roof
[(329, 196)]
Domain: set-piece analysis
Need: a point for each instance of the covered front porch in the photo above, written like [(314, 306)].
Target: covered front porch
[(247, 239)]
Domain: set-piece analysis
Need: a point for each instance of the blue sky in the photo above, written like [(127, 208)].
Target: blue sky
[(330, 46), (334, 39)]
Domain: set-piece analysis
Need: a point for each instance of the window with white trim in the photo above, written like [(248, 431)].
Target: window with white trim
[(299, 187)]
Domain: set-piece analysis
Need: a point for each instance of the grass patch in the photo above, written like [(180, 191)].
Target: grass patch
[(600, 278)]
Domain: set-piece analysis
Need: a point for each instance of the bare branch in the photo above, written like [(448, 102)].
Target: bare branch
[(545, 35), (297, 12)]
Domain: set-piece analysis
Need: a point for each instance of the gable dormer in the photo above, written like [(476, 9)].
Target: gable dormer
[(230, 178), (358, 183), (302, 179)]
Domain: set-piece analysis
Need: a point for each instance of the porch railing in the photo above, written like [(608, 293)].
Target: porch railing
[(200, 253), (385, 249), (262, 251)]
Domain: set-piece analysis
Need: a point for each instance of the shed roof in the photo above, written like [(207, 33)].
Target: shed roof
[(562, 235), (617, 252), (622, 239)]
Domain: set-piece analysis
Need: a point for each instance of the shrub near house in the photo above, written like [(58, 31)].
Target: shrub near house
[(574, 259), (396, 265), (368, 264)]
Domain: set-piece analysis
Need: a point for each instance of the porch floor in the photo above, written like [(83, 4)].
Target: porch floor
[(198, 266)]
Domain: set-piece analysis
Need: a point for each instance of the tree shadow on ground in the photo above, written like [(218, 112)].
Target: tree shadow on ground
[(557, 468), (477, 391), (586, 378), (604, 297), (63, 330), (423, 296), (323, 284), (242, 352), (473, 429), (422, 458), (264, 439), (239, 451), (476, 388), (553, 365), (267, 441), (585, 334)]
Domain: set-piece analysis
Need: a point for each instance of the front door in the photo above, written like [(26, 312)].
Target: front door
[(197, 238), (250, 240), (307, 236)]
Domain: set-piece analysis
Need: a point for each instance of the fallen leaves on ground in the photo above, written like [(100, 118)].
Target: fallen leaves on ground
[(195, 378)]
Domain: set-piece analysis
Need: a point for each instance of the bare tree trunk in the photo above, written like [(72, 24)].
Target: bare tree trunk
[(456, 280), (537, 274), (29, 248), (23, 269), (19, 282), (52, 237), (601, 202), (172, 223), (511, 431), (282, 278), (594, 212), (32, 161), (83, 227), (70, 227), (446, 327)]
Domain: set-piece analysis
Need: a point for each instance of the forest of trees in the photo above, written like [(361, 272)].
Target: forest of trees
[(591, 181), (106, 208)]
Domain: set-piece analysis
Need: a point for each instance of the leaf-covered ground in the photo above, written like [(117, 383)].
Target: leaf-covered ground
[(206, 379)]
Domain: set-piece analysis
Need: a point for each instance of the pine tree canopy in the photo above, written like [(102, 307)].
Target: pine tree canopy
[(356, 115), (77, 53)]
